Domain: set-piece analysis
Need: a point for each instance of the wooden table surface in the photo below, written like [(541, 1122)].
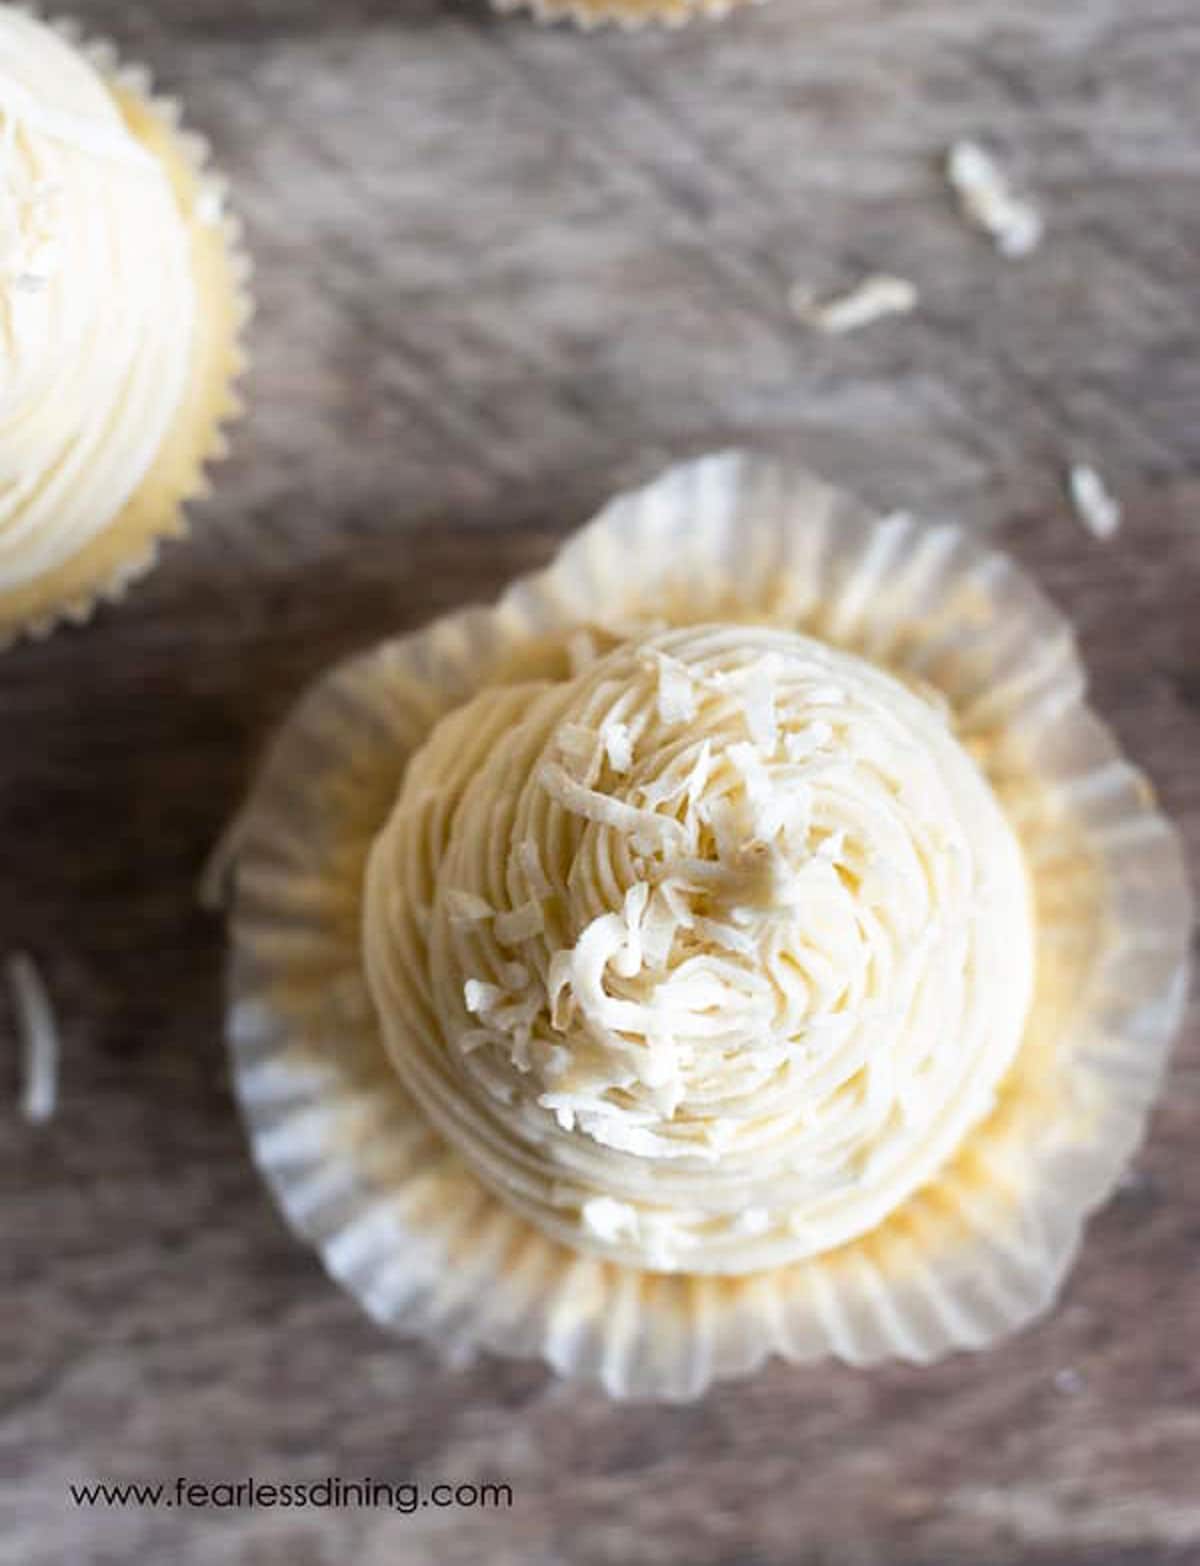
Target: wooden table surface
[(503, 270)]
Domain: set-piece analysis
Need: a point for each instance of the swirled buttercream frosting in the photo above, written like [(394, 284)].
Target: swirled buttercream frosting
[(705, 956), (97, 303)]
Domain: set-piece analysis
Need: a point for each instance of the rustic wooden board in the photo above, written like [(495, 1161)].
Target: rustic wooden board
[(503, 270)]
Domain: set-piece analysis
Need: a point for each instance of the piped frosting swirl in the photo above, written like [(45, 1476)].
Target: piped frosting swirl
[(706, 956), (97, 303)]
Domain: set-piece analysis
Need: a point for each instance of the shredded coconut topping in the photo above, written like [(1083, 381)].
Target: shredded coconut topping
[(519, 924), (618, 744), (467, 907), (987, 200), (875, 298), (676, 689), (39, 1037), (1095, 504), (610, 1220)]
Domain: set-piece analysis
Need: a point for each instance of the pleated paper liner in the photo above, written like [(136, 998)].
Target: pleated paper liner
[(128, 547), (627, 14), (405, 1226)]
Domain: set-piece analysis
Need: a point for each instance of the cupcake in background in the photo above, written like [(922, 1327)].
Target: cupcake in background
[(122, 300), (629, 14)]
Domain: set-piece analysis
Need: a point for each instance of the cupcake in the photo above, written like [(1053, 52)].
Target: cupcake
[(629, 14), (122, 295), (761, 952)]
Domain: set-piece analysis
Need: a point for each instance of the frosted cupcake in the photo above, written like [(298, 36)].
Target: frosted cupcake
[(121, 300), (768, 954), (623, 13)]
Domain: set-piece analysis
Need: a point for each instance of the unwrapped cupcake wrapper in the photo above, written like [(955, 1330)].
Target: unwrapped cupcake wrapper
[(627, 14), (127, 548), (401, 1221)]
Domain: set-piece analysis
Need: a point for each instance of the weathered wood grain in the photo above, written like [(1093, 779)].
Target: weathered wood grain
[(502, 271)]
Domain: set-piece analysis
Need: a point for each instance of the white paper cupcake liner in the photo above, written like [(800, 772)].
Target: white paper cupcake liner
[(129, 547), (399, 1219)]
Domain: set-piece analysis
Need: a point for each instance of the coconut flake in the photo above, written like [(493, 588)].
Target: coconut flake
[(1096, 506), (987, 200), (676, 689), (689, 786), (727, 936), (767, 808), (622, 1136), (875, 298), (581, 969), (38, 1032), (470, 1039), (582, 750), (480, 998), (618, 744), (832, 847), (558, 1061), (628, 962), (658, 927), (519, 924), (664, 1238), (658, 831), (467, 907), (760, 706), (800, 745), (609, 1219), (514, 975)]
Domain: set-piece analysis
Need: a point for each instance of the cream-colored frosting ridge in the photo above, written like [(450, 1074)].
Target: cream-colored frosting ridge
[(706, 956), (97, 303)]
